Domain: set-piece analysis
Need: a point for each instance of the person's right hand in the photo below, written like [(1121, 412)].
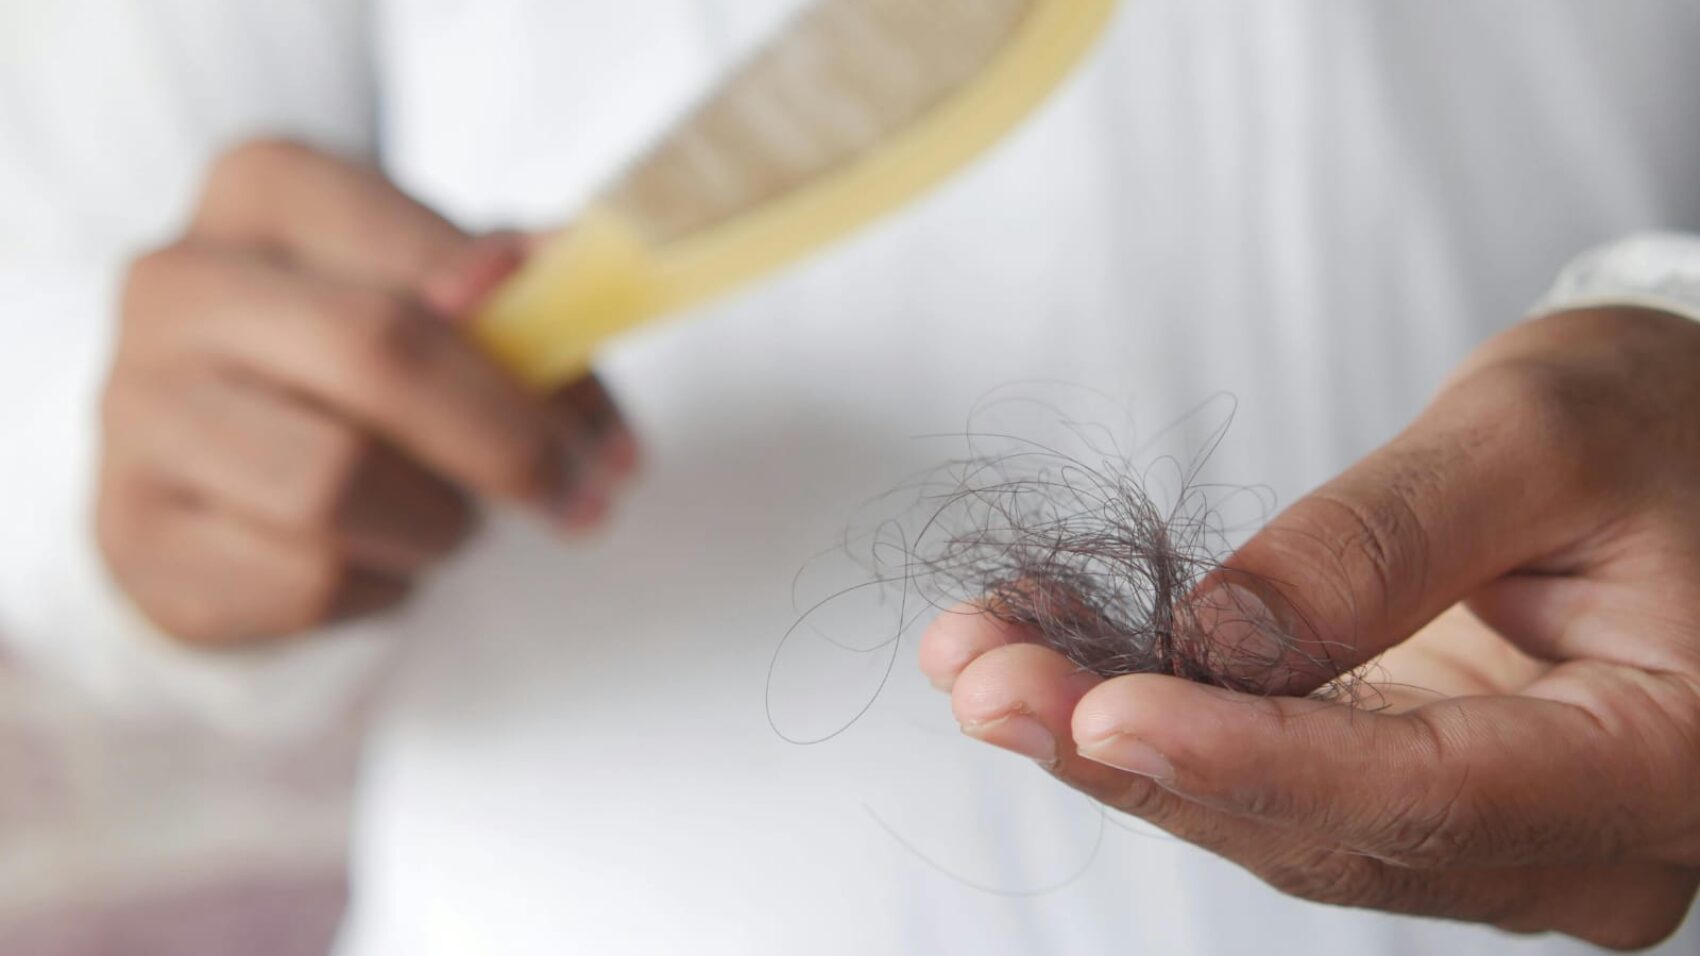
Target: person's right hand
[(293, 427)]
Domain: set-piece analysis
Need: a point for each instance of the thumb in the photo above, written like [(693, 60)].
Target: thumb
[(458, 285), (1474, 489), (603, 453)]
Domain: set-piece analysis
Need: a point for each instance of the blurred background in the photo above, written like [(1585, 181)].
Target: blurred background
[(1297, 201), (147, 837)]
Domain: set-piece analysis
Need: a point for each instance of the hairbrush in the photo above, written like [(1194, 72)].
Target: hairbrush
[(853, 109)]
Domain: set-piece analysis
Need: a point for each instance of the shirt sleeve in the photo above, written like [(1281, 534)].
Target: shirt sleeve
[(1652, 270), (112, 110)]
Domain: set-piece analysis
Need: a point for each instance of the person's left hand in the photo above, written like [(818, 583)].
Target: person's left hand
[(1533, 758)]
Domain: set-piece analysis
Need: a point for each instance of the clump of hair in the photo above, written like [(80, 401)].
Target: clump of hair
[(1083, 558), (1080, 554), (1099, 556), (1098, 552)]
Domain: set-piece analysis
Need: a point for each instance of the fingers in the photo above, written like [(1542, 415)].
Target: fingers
[(211, 581), (456, 287), (1373, 555), (1021, 697), (292, 421), (334, 428), (961, 635), (324, 213), (465, 281), (1024, 698), (1466, 782), (594, 408), (372, 357), (264, 456), (605, 455)]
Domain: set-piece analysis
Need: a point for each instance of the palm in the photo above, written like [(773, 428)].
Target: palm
[(1455, 656)]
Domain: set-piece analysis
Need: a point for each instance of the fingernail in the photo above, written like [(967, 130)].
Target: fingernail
[(1130, 754), (1017, 733)]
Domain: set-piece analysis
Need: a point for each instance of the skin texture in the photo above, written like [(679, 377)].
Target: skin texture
[(294, 430), (1522, 565)]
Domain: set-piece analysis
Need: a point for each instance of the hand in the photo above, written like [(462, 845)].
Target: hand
[(1548, 776), (292, 424)]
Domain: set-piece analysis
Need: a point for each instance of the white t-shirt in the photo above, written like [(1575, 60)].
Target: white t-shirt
[(1316, 207)]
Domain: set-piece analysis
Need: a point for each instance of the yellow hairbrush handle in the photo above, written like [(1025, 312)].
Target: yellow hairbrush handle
[(600, 277)]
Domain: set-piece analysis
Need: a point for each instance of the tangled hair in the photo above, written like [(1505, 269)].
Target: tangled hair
[(1104, 550), (1111, 557), (1102, 560), (1081, 556)]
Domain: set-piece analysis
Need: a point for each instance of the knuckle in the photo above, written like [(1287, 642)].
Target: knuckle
[(526, 468), (1325, 875), (389, 339), (259, 153), (137, 399), (121, 404), (1549, 409), (183, 612), (1442, 821), (457, 524), (1141, 798), (147, 282), (317, 593), (334, 591), (1541, 395), (201, 610), (1264, 803), (115, 527), (148, 265), (1425, 837), (245, 167), (1381, 537), (189, 618), (328, 477), (304, 598)]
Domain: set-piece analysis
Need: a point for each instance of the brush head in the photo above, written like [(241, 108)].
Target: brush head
[(833, 85), (853, 110)]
